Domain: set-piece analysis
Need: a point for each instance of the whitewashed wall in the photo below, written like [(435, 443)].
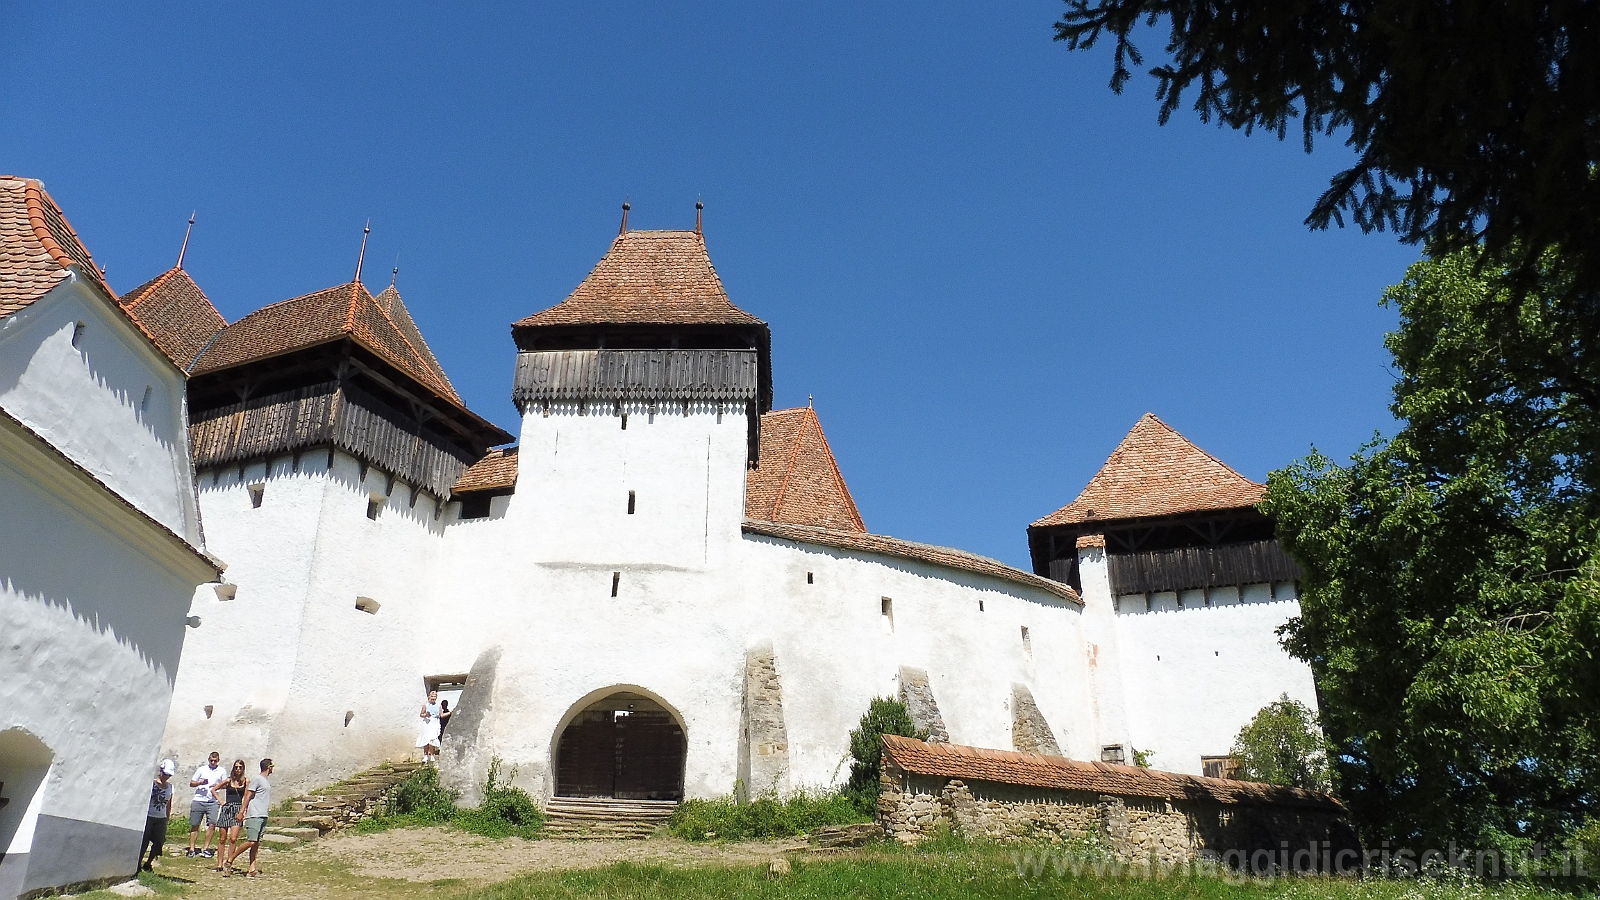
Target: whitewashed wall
[(1196, 675), (113, 403), (290, 654), (93, 599)]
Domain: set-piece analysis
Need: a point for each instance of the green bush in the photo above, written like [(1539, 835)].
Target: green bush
[(505, 810), (728, 819), (1284, 745), (884, 716), (421, 797)]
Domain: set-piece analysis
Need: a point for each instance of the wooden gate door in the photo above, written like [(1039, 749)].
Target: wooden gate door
[(650, 753), (588, 756)]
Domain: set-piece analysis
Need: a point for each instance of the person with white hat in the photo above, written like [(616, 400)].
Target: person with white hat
[(155, 823)]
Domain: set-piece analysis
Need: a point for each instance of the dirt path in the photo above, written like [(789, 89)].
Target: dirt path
[(416, 862)]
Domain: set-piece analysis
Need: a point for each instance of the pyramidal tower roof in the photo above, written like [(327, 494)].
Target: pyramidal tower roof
[(798, 481), (1156, 471), (345, 311), (648, 278), (176, 313)]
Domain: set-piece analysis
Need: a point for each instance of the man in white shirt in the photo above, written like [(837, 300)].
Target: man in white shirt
[(204, 807)]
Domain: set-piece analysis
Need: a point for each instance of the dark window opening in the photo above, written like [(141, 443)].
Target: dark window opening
[(810, 579), (630, 502), (1113, 753), (616, 579), (374, 506), (257, 492), (77, 333), (475, 505)]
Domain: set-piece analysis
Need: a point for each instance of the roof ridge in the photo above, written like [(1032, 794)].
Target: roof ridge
[(401, 332), (838, 475), (788, 471), (139, 293), (1203, 451)]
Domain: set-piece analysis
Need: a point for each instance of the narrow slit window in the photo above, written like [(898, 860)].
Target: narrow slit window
[(1027, 643), (77, 333), (257, 492), (374, 506), (810, 579), (144, 402), (624, 421), (980, 606), (616, 579), (886, 613), (631, 499)]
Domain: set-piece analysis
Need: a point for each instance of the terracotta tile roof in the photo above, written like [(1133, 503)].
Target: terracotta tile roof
[(798, 480), (36, 245), (648, 278), (176, 313), (327, 315), (927, 553), (496, 471), (389, 301), (1155, 471), (1037, 770)]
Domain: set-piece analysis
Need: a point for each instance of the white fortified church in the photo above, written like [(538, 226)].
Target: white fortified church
[(664, 588)]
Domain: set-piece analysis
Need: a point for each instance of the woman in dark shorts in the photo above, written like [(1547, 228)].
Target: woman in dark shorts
[(228, 820)]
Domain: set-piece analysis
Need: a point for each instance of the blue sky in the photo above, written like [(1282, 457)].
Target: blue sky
[(982, 263)]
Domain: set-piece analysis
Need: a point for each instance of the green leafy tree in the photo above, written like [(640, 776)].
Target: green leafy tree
[(1472, 120), (1451, 596), (1283, 745), (884, 716)]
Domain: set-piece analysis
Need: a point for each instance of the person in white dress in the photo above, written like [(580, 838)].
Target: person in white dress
[(428, 730)]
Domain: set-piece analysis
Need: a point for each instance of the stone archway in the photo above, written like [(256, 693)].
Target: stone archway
[(24, 763), (623, 744)]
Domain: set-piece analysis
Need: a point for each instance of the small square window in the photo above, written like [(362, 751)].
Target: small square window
[(374, 505), (475, 505), (367, 605), (257, 492), (1218, 766), (1113, 753)]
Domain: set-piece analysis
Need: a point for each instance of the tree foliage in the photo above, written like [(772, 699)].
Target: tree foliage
[(884, 716), (1283, 745), (1451, 596), (1474, 121)]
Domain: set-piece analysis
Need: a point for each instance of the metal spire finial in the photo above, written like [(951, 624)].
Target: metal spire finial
[(625, 209), (395, 275), (698, 207), (185, 248), (808, 401), (363, 257)]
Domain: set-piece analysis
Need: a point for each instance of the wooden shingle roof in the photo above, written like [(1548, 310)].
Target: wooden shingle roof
[(884, 545), (37, 246), (1156, 471), (1060, 773), (648, 278), (798, 480), (496, 471), (176, 313), (346, 311)]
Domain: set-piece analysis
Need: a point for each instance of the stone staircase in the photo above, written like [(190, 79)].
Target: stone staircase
[(602, 817), (335, 806)]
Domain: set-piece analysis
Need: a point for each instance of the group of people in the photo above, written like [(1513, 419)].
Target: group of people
[(232, 804), (435, 716)]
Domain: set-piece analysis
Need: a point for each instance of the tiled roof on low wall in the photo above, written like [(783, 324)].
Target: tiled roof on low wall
[(1060, 773)]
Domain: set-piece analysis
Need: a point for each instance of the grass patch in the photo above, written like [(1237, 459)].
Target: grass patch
[(727, 819), (956, 871)]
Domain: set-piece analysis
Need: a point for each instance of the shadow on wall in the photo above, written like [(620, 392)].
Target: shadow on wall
[(24, 763)]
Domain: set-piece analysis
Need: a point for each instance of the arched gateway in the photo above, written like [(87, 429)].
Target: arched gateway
[(625, 745)]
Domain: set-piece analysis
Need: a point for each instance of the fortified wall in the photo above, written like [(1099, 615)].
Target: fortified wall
[(1140, 816)]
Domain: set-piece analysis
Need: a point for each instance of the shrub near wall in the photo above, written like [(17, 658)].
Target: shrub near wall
[(727, 819)]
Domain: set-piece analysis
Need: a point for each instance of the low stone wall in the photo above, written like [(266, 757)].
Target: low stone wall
[(1136, 828)]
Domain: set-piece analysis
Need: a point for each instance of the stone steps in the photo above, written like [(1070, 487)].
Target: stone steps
[(335, 806), (604, 817)]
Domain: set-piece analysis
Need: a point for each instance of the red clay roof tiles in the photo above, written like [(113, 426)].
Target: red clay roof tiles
[(176, 313), (648, 277), (36, 245), (327, 315), (928, 553), (1156, 471), (1037, 770), (496, 471), (798, 480)]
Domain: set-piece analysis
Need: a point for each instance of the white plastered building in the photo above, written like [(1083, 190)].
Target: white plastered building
[(100, 555), (663, 590)]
